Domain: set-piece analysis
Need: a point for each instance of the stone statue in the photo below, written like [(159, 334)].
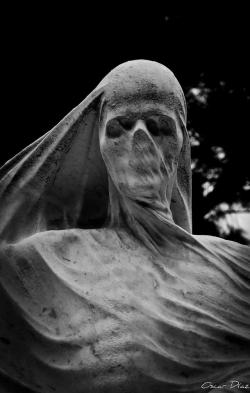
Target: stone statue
[(103, 286)]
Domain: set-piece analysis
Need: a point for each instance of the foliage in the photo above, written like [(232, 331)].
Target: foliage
[(219, 132)]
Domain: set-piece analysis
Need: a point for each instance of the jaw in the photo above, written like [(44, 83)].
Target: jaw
[(140, 215)]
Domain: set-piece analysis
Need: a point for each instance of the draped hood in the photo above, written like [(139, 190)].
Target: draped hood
[(63, 180)]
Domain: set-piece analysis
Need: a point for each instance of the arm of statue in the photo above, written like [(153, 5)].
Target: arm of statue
[(37, 307)]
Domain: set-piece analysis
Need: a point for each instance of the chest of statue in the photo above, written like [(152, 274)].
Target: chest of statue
[(100, 314)]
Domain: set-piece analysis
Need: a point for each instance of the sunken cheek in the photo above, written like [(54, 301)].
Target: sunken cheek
[(115, 144), (116, 139)]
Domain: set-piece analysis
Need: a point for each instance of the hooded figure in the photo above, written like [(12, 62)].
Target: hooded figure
[(103, 286)]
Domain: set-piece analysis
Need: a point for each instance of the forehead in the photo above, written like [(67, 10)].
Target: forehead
[(138, 108)]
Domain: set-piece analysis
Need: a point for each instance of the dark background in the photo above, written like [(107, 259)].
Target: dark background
[(53, 58)]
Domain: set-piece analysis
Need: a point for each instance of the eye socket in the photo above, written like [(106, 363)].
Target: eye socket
[(152, 127), (126, 123), (165, 126), (114, 129)]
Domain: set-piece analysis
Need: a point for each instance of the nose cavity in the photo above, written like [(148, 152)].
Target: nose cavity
[(142, 142), (140, 133)]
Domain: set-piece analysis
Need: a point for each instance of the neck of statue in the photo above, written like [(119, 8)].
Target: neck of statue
[(150, 223)]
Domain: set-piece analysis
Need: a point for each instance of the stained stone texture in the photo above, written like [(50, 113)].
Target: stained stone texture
[(103, 286)]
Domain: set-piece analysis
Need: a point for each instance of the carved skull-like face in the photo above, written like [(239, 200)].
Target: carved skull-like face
[(140, 143)]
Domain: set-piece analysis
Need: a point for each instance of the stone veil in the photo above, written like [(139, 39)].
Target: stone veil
[(104, 288)]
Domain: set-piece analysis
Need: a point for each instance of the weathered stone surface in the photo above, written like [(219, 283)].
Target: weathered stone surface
[(103, 286)]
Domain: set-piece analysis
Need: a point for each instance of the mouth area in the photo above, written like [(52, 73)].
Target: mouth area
[(144, 169)]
